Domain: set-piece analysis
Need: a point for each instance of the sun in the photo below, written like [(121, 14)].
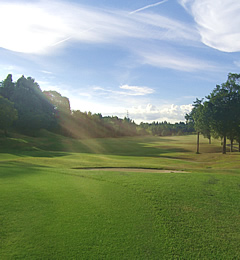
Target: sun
[(30, 29)]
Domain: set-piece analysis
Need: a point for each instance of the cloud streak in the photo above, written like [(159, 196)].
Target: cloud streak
[(148, 6), (64, 40)]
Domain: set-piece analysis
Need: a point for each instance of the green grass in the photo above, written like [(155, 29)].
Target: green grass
[(52, 207)]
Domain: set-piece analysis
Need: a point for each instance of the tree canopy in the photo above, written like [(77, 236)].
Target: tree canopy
[(219, 114), (34, 111)]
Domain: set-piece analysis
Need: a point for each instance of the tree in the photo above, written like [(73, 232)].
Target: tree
[(200, 118), (196, 117), (7, 87), (203, 120), (8, 114), (34, 110), (61, 103), (63, 112), (224, 106)]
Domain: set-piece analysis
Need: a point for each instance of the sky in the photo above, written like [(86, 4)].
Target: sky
[(146, 59)]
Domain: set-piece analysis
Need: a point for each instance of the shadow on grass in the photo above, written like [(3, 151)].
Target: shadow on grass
[(56, 146), (34, 153), (12, 169), (33, 147), (128, 147)]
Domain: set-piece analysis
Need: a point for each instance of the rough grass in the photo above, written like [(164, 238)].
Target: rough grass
[(52, 207)]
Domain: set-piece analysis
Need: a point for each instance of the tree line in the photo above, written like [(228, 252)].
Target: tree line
[(167, 129), (25, 108), (218, 114)]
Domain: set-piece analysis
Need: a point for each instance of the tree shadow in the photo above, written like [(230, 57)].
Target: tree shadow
[(57, 146), (31, 146), (130, 147), (13, 169), (34, 153)]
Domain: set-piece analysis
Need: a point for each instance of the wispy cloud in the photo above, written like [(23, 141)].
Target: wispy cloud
[(128, 91), (174, 60), (136, 90), (237, 63), (218, 22), (46, 72), (148, 6), (43, 26), (47, 86)]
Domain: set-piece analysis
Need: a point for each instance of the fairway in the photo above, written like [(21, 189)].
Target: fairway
[(118, 198)]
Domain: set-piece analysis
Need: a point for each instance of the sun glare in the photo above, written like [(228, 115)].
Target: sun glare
[(29, 29)]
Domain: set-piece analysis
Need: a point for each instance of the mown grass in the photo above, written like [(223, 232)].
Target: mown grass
[(52, 207)]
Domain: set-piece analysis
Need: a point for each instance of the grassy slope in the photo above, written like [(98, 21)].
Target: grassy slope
[(51, 210)]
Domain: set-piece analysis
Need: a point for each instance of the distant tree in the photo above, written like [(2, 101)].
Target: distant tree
[(60, 102), (189, 123), (63, 112), (7, 87), (165, 128), (8, 114)]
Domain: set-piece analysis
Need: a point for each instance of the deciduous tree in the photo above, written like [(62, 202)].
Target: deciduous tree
[(34, 110), (7, 87), (224, 106)]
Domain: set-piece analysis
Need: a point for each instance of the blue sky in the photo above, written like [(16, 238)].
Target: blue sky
[(150, 58)]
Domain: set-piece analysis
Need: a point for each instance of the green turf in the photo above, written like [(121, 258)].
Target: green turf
[(52, 207)]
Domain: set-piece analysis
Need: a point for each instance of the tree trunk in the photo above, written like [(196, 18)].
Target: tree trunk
[(231, 146), (224, 144), (239, 145), (198, 133), (209, 140)]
